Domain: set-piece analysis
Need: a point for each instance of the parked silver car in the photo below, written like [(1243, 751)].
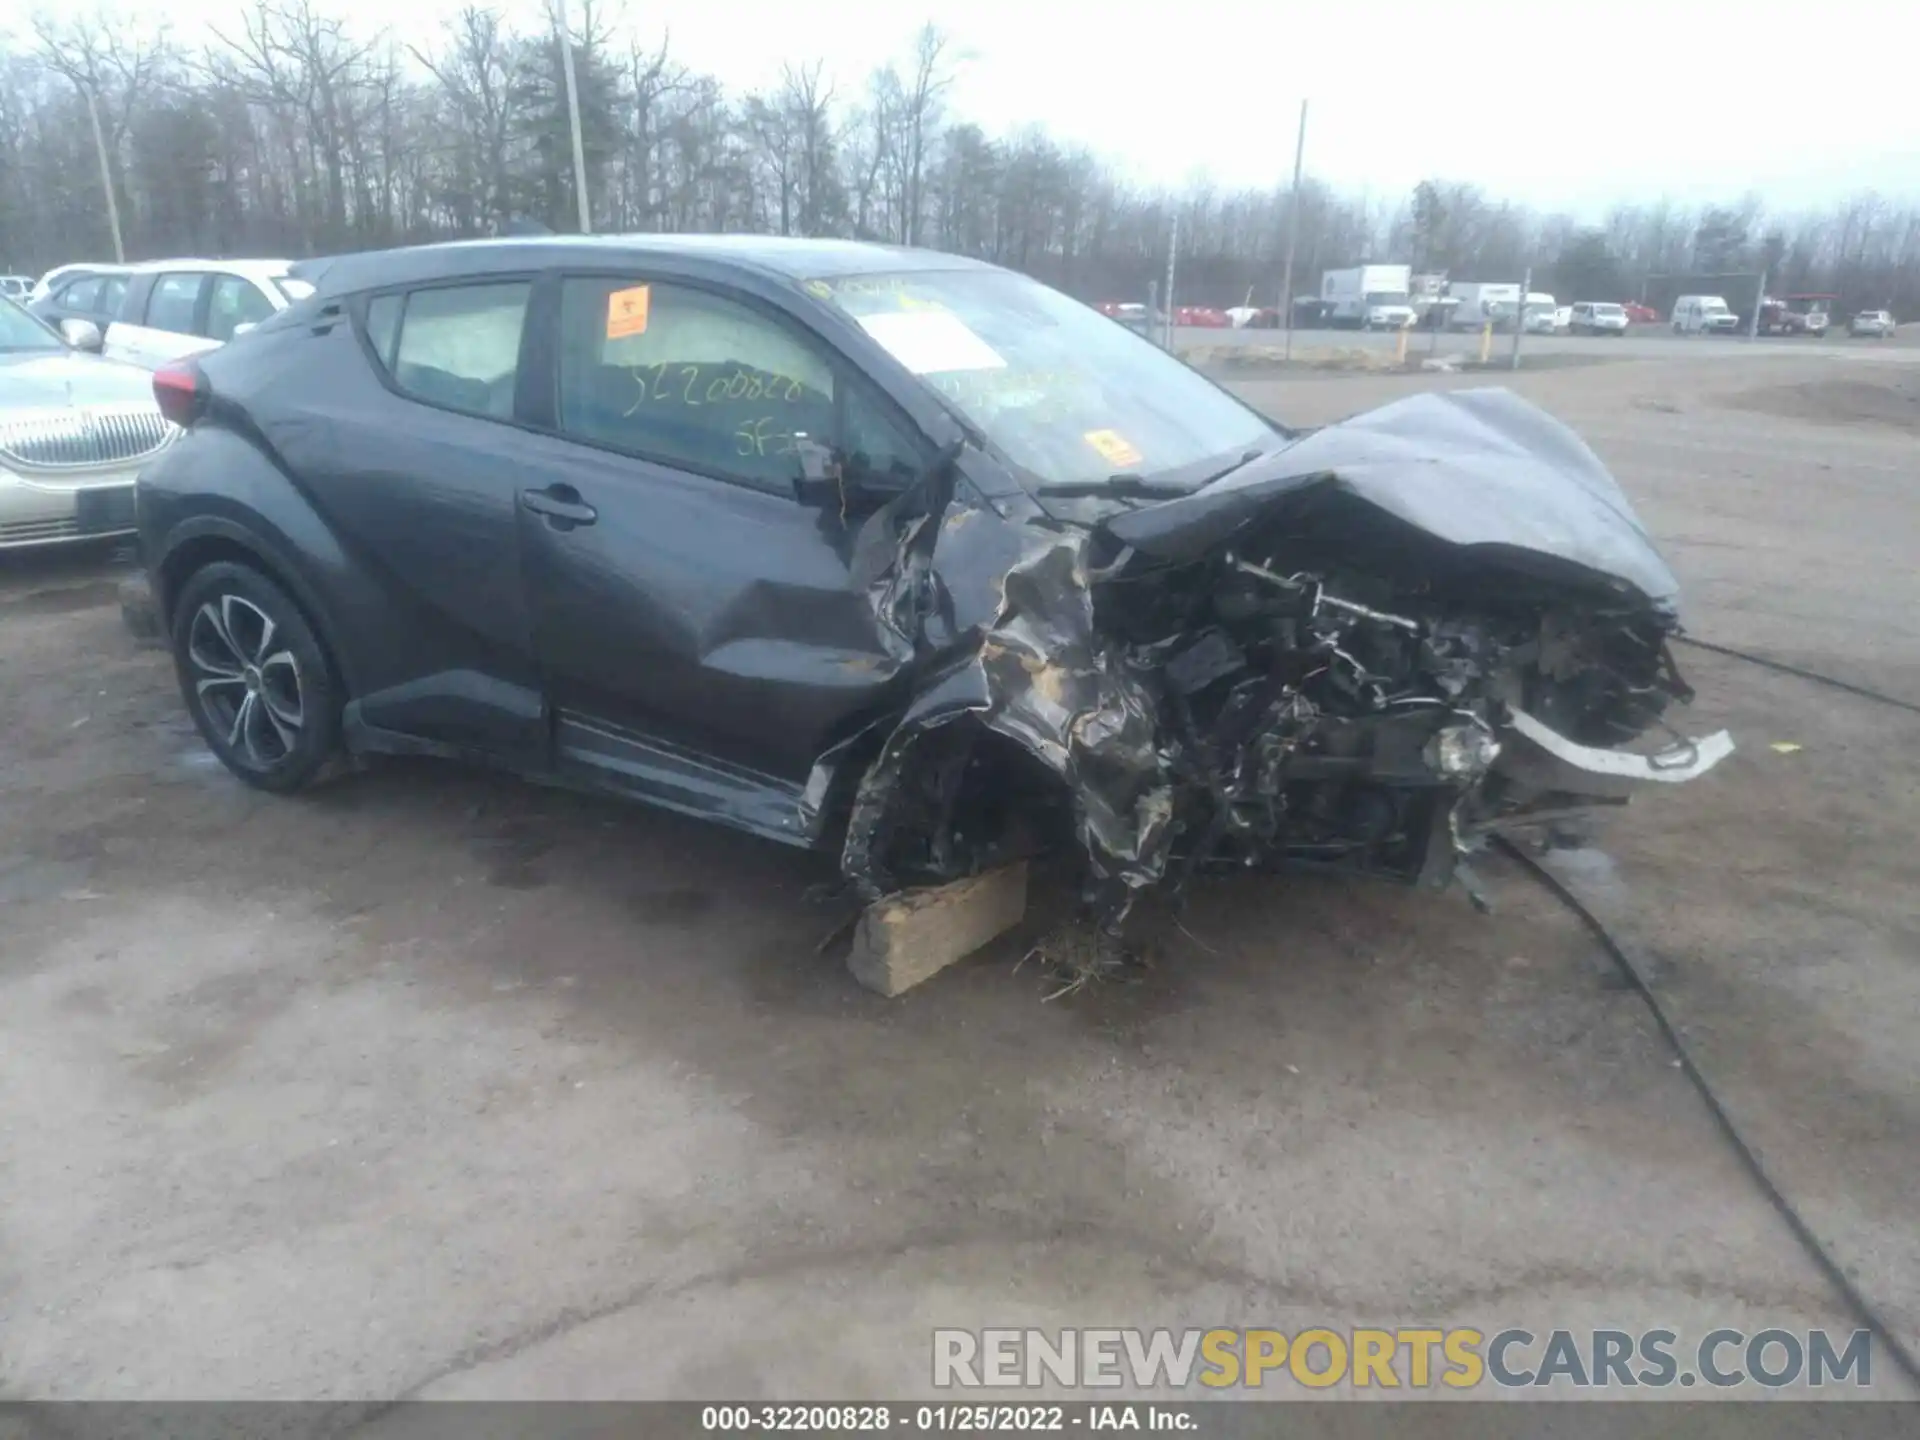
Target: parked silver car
[(1877, 323), (74, 429)]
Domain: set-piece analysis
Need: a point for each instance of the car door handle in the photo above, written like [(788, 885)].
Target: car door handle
[(562, 506)]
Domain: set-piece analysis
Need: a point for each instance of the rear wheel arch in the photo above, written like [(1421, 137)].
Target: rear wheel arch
[(194, 554)]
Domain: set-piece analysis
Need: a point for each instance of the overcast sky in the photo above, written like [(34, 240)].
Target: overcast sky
[(1563, 104)]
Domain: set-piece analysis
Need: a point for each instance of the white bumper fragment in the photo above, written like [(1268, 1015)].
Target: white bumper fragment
[(1545, 758)]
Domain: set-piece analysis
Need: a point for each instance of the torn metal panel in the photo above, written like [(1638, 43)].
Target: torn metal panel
[(1038, 674)]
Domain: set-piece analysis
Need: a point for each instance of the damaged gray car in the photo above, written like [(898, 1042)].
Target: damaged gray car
[(900, 556)]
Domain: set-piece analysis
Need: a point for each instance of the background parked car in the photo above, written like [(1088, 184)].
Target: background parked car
[(91, 293), (176, 308), (1877, 323), (1204, 317), (53, 277), (16, 287), (1597, 317), (73, 430), (1703, 315), (1542, 315), (1808, 314), (1794, 315), (1638, 314), (1130, 313)]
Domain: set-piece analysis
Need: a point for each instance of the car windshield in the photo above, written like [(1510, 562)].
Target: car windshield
[(1386, 297), (20, 332), (1607, 310), (1065, 394), (1715, 307)]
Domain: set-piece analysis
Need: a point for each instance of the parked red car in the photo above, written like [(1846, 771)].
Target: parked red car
[(1203, 316), (1638, 314)]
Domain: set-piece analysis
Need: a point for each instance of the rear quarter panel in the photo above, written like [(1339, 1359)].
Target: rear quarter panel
[(214, 492), (281, 468)]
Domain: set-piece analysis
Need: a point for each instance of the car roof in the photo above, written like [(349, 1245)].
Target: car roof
[(775, 256), (80, 272), (250, 269)]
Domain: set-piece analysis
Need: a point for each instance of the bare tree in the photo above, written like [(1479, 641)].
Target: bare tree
[(113, 72), (475, 70)]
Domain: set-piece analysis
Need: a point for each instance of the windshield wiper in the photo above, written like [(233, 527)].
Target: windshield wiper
[(1129, 486), (1123, 486), (1247, 458)]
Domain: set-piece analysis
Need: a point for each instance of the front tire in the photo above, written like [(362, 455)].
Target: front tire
[(259, 687)]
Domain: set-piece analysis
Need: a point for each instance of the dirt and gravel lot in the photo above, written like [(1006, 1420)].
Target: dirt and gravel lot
[(433, 1083)]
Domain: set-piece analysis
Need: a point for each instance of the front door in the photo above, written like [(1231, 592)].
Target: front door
[(699, 630)]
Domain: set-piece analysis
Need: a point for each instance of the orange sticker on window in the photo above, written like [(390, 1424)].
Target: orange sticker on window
[(627, 311), (1114, 447)]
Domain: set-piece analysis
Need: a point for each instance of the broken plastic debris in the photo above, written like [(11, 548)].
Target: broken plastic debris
[(1785, 747)]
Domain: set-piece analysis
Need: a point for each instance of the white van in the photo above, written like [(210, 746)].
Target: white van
[(1703, 315)]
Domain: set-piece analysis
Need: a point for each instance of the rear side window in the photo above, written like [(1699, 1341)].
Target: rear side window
[(690, 377), (383, 326), (457, 346), (172, 303), (234, 302), (113, 290), (82, 294)]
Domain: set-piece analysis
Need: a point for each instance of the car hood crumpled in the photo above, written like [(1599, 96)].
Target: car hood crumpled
[(1480, 469)]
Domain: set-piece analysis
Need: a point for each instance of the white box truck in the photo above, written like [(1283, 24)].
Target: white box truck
[(1481, 302), (1369, 297)]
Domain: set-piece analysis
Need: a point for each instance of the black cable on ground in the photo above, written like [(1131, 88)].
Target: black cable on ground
[(1786, 669), (1903, 1358)]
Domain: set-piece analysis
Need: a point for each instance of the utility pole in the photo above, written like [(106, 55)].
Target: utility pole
[(106, 176), (573, 119), (1293, 232), (1173, 252), (1759, 299), (1520, 316)]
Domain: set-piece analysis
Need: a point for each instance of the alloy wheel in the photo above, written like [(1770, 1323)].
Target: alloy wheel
[(246, 680)]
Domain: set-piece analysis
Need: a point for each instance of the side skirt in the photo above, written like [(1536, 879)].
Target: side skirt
[(619, 760)]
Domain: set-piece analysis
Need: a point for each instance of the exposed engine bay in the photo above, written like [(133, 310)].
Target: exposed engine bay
[(1346, 662), (1328, 717)]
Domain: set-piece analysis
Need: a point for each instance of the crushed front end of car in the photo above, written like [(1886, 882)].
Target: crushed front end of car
[(1367, 652)]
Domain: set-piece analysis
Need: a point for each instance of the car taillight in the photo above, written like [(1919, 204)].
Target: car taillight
[(179, 392)]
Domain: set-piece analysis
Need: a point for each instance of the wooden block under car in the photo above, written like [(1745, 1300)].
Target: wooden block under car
[(905, 938)]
